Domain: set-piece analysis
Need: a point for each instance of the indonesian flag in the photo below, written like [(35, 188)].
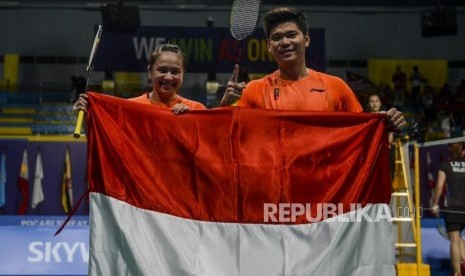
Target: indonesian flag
[(23, 185), (237, 191)]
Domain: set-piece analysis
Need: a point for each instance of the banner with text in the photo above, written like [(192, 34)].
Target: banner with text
[(207, 48), (29, 247)]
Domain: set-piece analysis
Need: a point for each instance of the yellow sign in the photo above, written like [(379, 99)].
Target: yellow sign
[(11, 67), (380, 71)]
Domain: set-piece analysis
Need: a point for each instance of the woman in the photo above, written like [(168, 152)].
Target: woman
[(453, 172), (166, 72), (374, 106)]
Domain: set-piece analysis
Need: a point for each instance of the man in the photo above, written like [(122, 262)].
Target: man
[(293, 85), (417, 80), (399, 79)]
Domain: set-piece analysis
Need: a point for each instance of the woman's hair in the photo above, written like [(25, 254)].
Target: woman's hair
[(456, 150), (374, 94), (166, 48), (278, 16)]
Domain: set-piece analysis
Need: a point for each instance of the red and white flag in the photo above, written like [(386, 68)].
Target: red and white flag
[(237, 191), (23, 185)]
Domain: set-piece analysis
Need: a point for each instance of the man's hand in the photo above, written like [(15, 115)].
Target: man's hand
[(81, 103), (396, 119), (179, 108), (233, 90)]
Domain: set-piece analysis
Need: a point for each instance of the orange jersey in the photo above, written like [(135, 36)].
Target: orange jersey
[(145, 99), (316, 92)]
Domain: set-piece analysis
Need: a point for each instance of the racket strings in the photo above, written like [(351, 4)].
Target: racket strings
[(244, 18)]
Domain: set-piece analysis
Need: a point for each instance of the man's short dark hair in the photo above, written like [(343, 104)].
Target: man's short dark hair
[(278, 16)]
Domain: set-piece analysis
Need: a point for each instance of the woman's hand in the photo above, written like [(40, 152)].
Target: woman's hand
[(81, 104), (179, 108)]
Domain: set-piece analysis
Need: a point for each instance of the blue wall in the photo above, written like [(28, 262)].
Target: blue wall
[(53, 161)]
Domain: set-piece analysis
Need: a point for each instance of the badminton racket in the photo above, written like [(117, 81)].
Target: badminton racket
[(80, 118), (440, 222), (243, 20), (441, 228)]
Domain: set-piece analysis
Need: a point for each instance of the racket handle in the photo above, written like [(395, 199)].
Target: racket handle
[(77, 130)]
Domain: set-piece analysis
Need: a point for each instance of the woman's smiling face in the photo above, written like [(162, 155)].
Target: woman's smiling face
[(167, 74)]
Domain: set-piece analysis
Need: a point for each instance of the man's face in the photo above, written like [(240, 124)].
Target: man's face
[(287, 43)]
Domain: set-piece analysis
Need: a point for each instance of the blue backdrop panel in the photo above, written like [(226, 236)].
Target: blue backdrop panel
[(53, 161), (206, 49)]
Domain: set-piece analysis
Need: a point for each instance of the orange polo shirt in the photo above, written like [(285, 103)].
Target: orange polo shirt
[(145, 99), (316, 92)]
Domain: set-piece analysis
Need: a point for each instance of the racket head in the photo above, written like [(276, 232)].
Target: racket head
[(442, 229), (244, 17)]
